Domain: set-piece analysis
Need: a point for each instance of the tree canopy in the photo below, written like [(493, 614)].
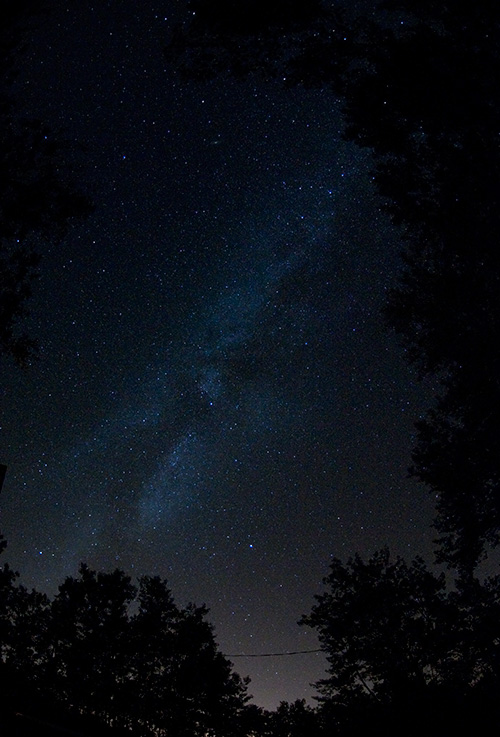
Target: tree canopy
[(401, 647), (126, 656)]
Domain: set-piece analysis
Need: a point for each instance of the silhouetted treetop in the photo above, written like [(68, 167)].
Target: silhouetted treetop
[(377, 622), (126, 656), (405, 653)]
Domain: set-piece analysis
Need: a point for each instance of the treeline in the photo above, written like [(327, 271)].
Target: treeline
[(405, 654), (125, 655)]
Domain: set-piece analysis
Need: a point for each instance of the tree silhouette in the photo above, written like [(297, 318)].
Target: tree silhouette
[(406, 655), (377, 622), (7, 596), (23, 623), (89, 638), (181, 683), (23, 620), (122, 656), (295, 719)]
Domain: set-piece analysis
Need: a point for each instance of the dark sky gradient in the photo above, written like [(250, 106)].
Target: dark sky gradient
[(217, 399)]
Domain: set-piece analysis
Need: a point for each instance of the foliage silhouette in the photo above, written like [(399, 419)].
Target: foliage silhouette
[(378, 624), (295, 719), (87, 662), (404, 653), (126, 657)]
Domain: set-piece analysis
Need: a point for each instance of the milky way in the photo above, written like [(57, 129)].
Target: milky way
[(217, 399)]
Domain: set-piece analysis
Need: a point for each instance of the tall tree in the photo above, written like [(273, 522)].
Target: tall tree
[(405, 655), (378, 624), (23, 641), (182, 684), (7, 598), (89, 641), (127, 657)]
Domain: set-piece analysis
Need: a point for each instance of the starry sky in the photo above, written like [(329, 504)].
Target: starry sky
[(217, 399)]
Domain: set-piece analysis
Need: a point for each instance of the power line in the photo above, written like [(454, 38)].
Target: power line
[(274, 655)]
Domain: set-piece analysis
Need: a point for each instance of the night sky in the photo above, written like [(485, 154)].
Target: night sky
[(217, 400)]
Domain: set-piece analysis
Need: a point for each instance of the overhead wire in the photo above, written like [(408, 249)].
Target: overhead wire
[(274, 655)]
